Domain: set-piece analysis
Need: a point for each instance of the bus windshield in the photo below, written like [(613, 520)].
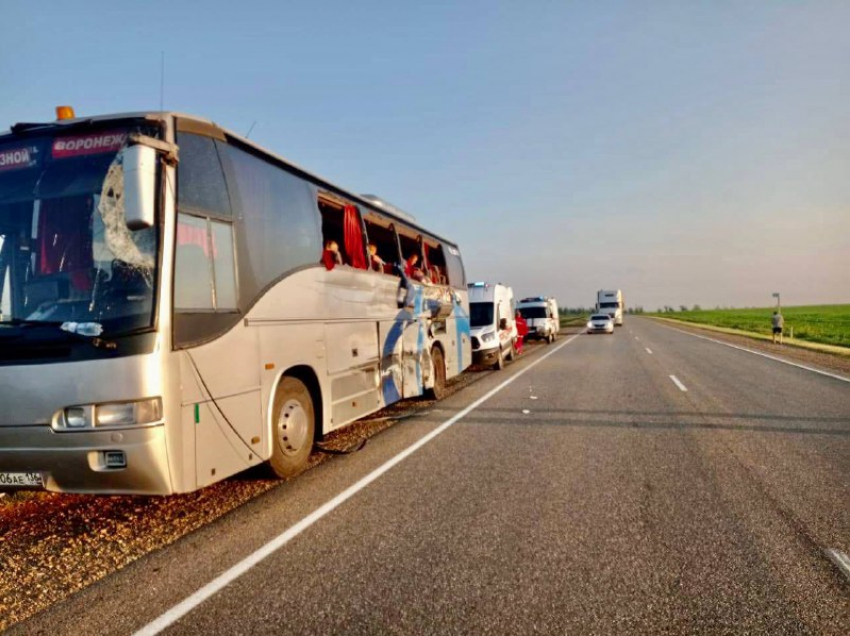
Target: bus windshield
[(609, 305), (66, 254), (480, 314)]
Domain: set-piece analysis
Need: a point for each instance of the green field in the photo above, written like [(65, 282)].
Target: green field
[(571, 320), (826, 324)]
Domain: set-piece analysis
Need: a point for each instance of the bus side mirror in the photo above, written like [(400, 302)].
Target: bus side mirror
[(503, 323), (140, 164)]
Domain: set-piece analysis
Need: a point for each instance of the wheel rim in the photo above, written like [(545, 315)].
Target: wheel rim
[(293, 426)]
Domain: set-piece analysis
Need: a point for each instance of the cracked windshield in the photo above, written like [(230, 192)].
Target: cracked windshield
[(66, 254)]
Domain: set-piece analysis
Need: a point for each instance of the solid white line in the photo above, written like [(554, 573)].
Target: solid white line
[(678, 383), (210, 589), (763, 355), (840, 560), (648, 350)]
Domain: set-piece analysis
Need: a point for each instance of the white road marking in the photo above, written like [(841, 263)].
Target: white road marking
[(532, 397), (840, 560), (221, 581), (636, 338), (525, 411), (678, 383), (763, 355), (648, 350)]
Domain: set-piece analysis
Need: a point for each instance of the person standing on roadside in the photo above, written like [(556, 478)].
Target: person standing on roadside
[(778, 323), (521, 331)]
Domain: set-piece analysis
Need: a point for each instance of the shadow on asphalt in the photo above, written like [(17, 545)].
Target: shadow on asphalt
[(673, 421)]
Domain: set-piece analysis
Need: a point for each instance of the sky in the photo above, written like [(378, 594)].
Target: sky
[(684, 152)]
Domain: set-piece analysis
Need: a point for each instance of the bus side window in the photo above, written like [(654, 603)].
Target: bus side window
[(201, 188), (205, 270), (454, 267), (193, 277), (382, 246), (411, 246), (341, 224), (205, 278), (436, 262)]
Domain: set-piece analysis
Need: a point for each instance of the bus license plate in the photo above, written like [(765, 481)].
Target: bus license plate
[(21, 480)]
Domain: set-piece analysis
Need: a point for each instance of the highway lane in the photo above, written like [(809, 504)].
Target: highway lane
[(591, 494)]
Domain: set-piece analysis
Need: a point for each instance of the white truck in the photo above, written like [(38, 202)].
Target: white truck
[(492, 326), (610, 301), (541, 315)]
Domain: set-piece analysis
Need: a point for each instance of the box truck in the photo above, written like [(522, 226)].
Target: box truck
[(610, 301)]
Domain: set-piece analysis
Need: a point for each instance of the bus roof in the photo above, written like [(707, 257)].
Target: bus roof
[(165, 115)]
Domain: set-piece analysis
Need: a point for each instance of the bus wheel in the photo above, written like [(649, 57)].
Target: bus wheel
[(438, 391), (293, 428), (499, 364)]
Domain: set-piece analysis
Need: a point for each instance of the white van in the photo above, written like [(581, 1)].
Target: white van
[(541, 314), (492, 326)]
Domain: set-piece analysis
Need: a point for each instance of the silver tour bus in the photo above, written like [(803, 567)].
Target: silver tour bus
[(178, 304)]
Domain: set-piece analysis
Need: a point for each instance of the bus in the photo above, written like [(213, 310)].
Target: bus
[(178, 304)]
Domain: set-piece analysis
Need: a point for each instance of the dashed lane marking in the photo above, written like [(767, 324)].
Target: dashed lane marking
[(678, 383), (223, 580), (648, 350)]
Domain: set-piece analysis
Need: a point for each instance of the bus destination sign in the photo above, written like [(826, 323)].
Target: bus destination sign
[(81, 145), (17, 158)]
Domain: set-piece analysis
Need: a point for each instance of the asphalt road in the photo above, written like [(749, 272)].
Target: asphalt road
[(591, 494)]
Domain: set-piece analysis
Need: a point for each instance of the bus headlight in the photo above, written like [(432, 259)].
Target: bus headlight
[(487, 337), (128, 413)]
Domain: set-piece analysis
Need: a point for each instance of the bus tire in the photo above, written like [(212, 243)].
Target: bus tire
[(293, 428), (438, 391)]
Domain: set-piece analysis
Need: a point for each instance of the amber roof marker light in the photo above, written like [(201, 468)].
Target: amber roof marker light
[(65, 112)]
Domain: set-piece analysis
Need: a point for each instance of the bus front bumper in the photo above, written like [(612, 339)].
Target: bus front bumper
[(78, 461)]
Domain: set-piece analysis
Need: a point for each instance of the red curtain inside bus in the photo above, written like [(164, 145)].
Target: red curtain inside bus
[(354, 238), (192, 235), (65, 243)]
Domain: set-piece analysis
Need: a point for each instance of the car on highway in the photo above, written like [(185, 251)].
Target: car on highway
[(600, 323)]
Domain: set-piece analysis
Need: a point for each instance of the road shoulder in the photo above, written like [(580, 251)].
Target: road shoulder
[(818, 358)]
